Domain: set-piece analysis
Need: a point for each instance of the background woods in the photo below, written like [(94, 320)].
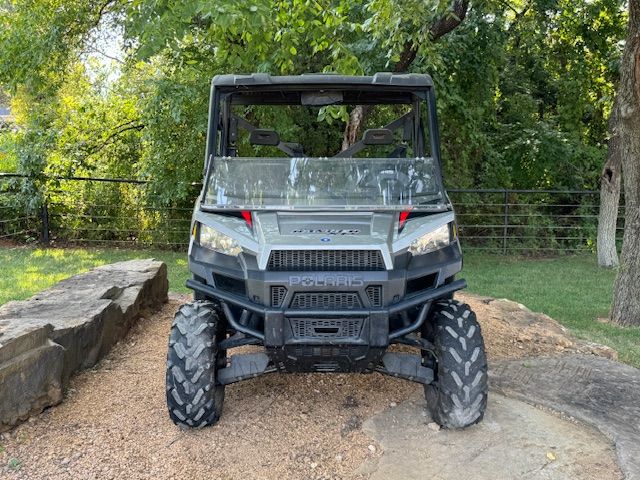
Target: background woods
[(525, 87)]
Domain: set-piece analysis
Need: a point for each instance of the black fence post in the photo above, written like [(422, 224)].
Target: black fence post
[(505, 230), (44, 217)]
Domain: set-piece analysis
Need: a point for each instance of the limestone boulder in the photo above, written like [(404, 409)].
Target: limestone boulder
[(70, 326)]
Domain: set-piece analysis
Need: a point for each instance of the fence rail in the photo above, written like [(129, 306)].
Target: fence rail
[(114, 211)]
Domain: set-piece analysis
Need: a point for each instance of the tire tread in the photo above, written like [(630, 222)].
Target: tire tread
[(458, 396), (193, 398)]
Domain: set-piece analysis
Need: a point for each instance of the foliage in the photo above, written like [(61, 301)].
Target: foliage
[(525, 93), (8, 158), (524, 86)]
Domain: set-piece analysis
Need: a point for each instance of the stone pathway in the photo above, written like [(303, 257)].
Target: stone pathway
[(515, 440), (594, 390)]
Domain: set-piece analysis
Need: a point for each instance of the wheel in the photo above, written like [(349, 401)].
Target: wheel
[(457, 397), (193, 360)]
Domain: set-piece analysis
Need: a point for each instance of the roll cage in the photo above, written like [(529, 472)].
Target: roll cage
[(263, 89)]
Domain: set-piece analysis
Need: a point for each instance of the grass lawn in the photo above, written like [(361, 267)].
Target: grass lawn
[(570, 289), (27, 270)]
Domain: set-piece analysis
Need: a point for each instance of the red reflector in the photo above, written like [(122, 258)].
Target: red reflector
[(403, 218), (246, 214)]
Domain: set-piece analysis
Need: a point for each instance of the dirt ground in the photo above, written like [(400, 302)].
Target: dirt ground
[(113, 422)]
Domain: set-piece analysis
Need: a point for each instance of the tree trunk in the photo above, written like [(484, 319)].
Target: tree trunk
[(449, 21), (610, 198), (354, 127), (626, 296)]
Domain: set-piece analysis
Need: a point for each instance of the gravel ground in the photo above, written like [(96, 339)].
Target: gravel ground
[(113, 422)]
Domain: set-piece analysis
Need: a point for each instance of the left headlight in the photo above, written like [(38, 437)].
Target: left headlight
[(212, 239), (432, 241)]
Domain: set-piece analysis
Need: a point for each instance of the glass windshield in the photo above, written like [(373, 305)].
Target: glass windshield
[(292, 183), (288, 148)]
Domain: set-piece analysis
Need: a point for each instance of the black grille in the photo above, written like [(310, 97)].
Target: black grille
[(229, 284), (421, 283), (277, 295), (326, 300), (325, 260), (326, 327), (326, 367), (374, 293)]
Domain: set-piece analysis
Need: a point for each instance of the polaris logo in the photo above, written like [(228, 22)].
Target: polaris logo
[(326, 280), (327, 231)]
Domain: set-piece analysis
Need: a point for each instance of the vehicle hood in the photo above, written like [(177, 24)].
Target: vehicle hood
[(324, 231)]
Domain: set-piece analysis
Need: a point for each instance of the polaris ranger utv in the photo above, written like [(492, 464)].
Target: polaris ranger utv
[(322, 257)]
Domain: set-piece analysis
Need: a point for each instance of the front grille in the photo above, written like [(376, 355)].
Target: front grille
[(325, 260), (374, 293), (326, 300), (326, 327), (278, 293), (326, 367), (421, 283), (229, 284)]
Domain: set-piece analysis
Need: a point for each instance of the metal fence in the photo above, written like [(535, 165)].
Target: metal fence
[(17, 221), (529, 221), (120, 212)]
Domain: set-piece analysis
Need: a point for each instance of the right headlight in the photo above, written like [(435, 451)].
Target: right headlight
[(212, 239), (435, 240)]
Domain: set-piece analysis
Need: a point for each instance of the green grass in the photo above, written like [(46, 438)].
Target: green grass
[(573, 290), (26, 270)]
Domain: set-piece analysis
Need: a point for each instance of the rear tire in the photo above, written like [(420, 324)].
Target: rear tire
[(193, 360), (457, 397)]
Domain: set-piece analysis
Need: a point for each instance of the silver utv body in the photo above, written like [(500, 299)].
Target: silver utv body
[(322, 287)]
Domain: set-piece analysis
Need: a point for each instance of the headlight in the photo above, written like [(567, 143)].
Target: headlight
[(214, 240), (432, 241)]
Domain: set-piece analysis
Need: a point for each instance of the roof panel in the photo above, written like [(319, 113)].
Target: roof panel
[(385, 78)]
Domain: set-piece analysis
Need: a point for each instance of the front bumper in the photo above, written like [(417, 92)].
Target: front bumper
[(355, 339)]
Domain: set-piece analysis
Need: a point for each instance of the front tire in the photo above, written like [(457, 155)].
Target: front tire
[(193, 360), (457, 397)]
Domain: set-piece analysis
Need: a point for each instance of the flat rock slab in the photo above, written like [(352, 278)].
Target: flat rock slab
[(594, 390), (515, 440), (70, 326)]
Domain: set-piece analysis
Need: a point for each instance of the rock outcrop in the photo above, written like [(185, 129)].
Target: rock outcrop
[(512, 330), (68, 327)]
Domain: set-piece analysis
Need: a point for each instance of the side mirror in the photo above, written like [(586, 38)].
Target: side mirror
[(377, 136), (264, 137)]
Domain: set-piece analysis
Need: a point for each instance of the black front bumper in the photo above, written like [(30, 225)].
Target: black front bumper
[(355, 339)]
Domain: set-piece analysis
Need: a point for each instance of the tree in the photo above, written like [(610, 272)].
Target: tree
[(524, 86), (445, 23), (626, 296), (610, 182)]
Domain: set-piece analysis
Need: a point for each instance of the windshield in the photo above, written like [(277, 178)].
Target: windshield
[(292, 183), (274, 148)]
